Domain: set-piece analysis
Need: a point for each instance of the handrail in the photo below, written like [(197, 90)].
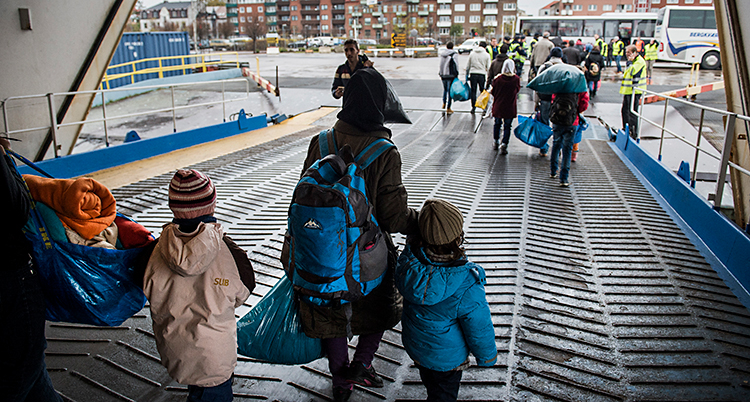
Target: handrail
[(724, 161), (54, 126), (200, 63)]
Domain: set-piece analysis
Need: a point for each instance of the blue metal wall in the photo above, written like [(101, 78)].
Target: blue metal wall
[(144, 45)]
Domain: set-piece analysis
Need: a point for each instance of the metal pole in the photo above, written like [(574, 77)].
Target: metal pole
[(278, 93), (223, 104), (5, 116), (257, 63), (174, 117), (640, 113), (728, 138), (53, 122), (663, 124), (104, 115), (697, 149)]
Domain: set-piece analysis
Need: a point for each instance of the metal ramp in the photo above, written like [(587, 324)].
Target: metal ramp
[(596, 294)]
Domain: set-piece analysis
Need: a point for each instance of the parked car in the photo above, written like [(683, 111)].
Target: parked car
[(428, 42), (300, 44), (220, 44), (469, 45), (367, 42)]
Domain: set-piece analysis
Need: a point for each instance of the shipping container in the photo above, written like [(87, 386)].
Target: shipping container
[(145, 45)]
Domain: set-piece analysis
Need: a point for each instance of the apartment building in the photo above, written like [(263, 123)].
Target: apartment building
[(598, 7)]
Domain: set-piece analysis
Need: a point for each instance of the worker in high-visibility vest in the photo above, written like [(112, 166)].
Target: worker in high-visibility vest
[(598, 41), (517, 53), (533, 42), (652, 51), (618, 50), (632, 87)]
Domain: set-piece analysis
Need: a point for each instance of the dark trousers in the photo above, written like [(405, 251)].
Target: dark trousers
[(337, 350), (477, 84), (499, 122), (442, 386), (630, 118), (218, 393), (447, 91), (23, 375)]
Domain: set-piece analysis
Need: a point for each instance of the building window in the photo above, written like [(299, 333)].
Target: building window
[(475, 7), (509, 6), (490, 18), (592, 7), (460, 7), (260, 9), (607, 7), (444, 18), (242, 9), (324, 7), (490, 6), (324, 17), (432, 7), (474, 19), (324, 27), (689, 1), (367, 21), (385, 9), (294, 18), (577, 7), (260, 18), (655, 1), (706, 1), (294, 8), (242, 19), (242, 28), (673, 2), (249, 18), (459, 19)]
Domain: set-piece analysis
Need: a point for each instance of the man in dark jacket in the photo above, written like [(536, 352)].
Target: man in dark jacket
[(354, 61), (497, 65), (360, 123), (23, 376), (572, 54), (594, 65)]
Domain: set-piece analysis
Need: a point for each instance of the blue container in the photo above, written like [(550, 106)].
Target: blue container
[(145, 45)]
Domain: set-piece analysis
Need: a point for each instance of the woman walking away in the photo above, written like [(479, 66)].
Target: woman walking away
[(505, 89), (594, 65), (446, 314), (448, 72), (476, 69)]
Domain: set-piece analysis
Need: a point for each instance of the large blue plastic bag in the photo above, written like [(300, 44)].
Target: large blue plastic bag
[(459, 90), (271, 331), (532, 132), (86, 285), (559, 79), (582, 126)]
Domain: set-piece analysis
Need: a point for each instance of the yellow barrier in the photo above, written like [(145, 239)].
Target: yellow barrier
[(202, 61)]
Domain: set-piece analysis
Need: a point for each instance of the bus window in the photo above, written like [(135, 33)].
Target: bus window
[(611, 29), (685, 18), (710, 21), (625, 29), (530, 27), (645, 29), (593, 27), (570, 28)]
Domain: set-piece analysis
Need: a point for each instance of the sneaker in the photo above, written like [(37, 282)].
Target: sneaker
[(542, 154), (495, 144), (366, 377), (564, 183), (552, 175), (574, 156), (449, 111), (443, 106), (341, 394), (473, 110), (503, 149)]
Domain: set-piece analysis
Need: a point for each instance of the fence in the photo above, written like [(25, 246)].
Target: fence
[(156, 67)]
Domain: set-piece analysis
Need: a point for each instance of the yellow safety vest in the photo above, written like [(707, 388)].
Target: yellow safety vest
[(601, 44), (634, 77), (618, 48), (516, 56), (652, 51)]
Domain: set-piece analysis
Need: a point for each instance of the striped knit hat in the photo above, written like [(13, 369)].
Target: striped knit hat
[(440, 222), (191, 194)]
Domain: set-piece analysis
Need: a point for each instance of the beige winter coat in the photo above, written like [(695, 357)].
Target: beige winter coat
[(193, 286)]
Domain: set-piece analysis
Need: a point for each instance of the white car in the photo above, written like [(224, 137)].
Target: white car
[(469, 45)]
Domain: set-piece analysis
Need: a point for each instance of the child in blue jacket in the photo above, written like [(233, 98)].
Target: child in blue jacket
[(446, 314)]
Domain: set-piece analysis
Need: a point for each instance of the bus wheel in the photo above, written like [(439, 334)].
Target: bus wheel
[(711, 61)]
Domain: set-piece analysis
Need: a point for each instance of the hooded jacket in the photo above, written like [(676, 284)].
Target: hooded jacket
[(479, 62), (445, 57), (193, 286), (446, 314)]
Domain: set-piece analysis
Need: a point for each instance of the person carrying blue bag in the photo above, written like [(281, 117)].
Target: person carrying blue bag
[(195, 278), (446, 314), (23, 375)]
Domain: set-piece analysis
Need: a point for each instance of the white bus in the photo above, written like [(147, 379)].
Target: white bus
[(607, 26), (688, 35)]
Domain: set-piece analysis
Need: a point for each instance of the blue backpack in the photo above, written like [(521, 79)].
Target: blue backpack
[(334, 251)]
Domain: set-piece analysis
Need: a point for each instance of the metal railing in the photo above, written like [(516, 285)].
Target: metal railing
[(731, 119), (145, 66), (54, 126)]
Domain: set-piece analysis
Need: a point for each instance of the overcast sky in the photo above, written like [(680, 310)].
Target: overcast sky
[(530, 6)]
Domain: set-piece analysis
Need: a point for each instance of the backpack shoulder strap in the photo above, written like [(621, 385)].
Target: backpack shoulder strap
[(327, 143), (369, 154)]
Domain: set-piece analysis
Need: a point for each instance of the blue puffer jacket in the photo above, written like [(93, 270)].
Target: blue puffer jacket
[(446, 314)]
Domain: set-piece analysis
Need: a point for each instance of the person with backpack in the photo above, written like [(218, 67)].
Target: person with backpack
[(446, 314), (23, 374), (564, 117), (505, 89), (448, 72), (195, 278), (545, 100), (496, 67), (594, 64), (360, 125)]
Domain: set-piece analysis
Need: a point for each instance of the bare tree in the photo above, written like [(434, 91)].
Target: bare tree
[(226, 29), (201, 29), (256, 30)]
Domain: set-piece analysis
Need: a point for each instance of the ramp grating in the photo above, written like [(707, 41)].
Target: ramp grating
[(595, 293)]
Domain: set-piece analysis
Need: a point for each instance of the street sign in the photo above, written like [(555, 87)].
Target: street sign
[(398, 40)]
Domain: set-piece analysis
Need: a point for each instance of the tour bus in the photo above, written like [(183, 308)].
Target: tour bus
[(607, 26), (688, 35)]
